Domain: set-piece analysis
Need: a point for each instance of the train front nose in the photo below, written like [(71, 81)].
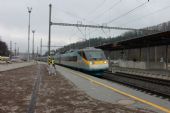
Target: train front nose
[(99, 65)]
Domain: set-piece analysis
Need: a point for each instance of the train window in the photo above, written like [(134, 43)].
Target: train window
[(70, 58), (82, 54), (95, 55), (74, 58), (79, 52)]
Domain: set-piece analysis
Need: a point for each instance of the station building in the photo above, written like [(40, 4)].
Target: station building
[(146, 52)]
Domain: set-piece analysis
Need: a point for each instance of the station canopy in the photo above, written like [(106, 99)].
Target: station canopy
[(157, 39)]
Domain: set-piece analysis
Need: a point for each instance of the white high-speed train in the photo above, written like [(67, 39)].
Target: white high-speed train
[(89, 60)]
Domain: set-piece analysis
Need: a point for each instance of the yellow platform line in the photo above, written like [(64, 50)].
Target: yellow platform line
[(123, 93)]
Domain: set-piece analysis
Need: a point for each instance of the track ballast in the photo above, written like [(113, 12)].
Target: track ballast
[(157, 86)]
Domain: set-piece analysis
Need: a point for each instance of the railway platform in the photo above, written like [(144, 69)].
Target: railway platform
[(154, 73), (111, 92), (6, 66), (30, 89)]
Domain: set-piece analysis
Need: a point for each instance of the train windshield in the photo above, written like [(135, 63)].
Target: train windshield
[(95, 55)]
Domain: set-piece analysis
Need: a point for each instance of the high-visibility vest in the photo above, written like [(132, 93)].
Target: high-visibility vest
[(53, 61)]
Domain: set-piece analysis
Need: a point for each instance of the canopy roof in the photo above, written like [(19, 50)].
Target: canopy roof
[(156, 39)]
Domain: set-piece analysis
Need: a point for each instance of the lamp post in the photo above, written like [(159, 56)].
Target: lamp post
[(33, 31), (37, 53), (41, 47), (18, 51), (29, 11), (15, 50), (10, 49)]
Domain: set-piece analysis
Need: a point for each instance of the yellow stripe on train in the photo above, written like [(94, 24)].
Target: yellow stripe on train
[(100, 62), (95, 62)]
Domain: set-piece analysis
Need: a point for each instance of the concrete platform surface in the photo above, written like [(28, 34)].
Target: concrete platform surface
[(5, 67), (111, 92)]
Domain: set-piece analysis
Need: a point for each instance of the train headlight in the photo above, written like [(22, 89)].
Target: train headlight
[(91, 62), (105, 62)]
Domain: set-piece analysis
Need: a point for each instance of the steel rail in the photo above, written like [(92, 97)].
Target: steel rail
[(157, 86)]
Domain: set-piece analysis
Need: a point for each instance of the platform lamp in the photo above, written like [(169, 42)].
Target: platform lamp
[(29, 11), (33, 31)]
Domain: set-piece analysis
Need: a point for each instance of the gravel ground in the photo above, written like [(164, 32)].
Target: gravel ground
[(16, 89), (55, 94)]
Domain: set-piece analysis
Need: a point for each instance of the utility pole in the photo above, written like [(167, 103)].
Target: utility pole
[(10, 49), (15, 49), (10, 46), (33, 31), (41, 47), (18, 51), (29, 11), (37, 51), (49, 35)]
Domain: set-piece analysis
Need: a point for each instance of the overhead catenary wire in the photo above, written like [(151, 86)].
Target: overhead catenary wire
[(147, 15), (115, 19), (97, 7), (76, 16), (71, 14), (104, 12), (84, 35), (84, 18), (73, 34), (139, 1), (104, 32)]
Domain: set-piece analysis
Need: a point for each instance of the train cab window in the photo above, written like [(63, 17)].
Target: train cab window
[(95, 55), (82, 54), (79, 52)]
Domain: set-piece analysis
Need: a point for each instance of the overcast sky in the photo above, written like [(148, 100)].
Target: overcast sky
[(14, 18)]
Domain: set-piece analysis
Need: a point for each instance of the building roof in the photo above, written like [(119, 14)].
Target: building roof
[(156, 39)]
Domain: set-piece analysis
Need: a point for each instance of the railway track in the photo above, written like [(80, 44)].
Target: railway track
[(157, 86)]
